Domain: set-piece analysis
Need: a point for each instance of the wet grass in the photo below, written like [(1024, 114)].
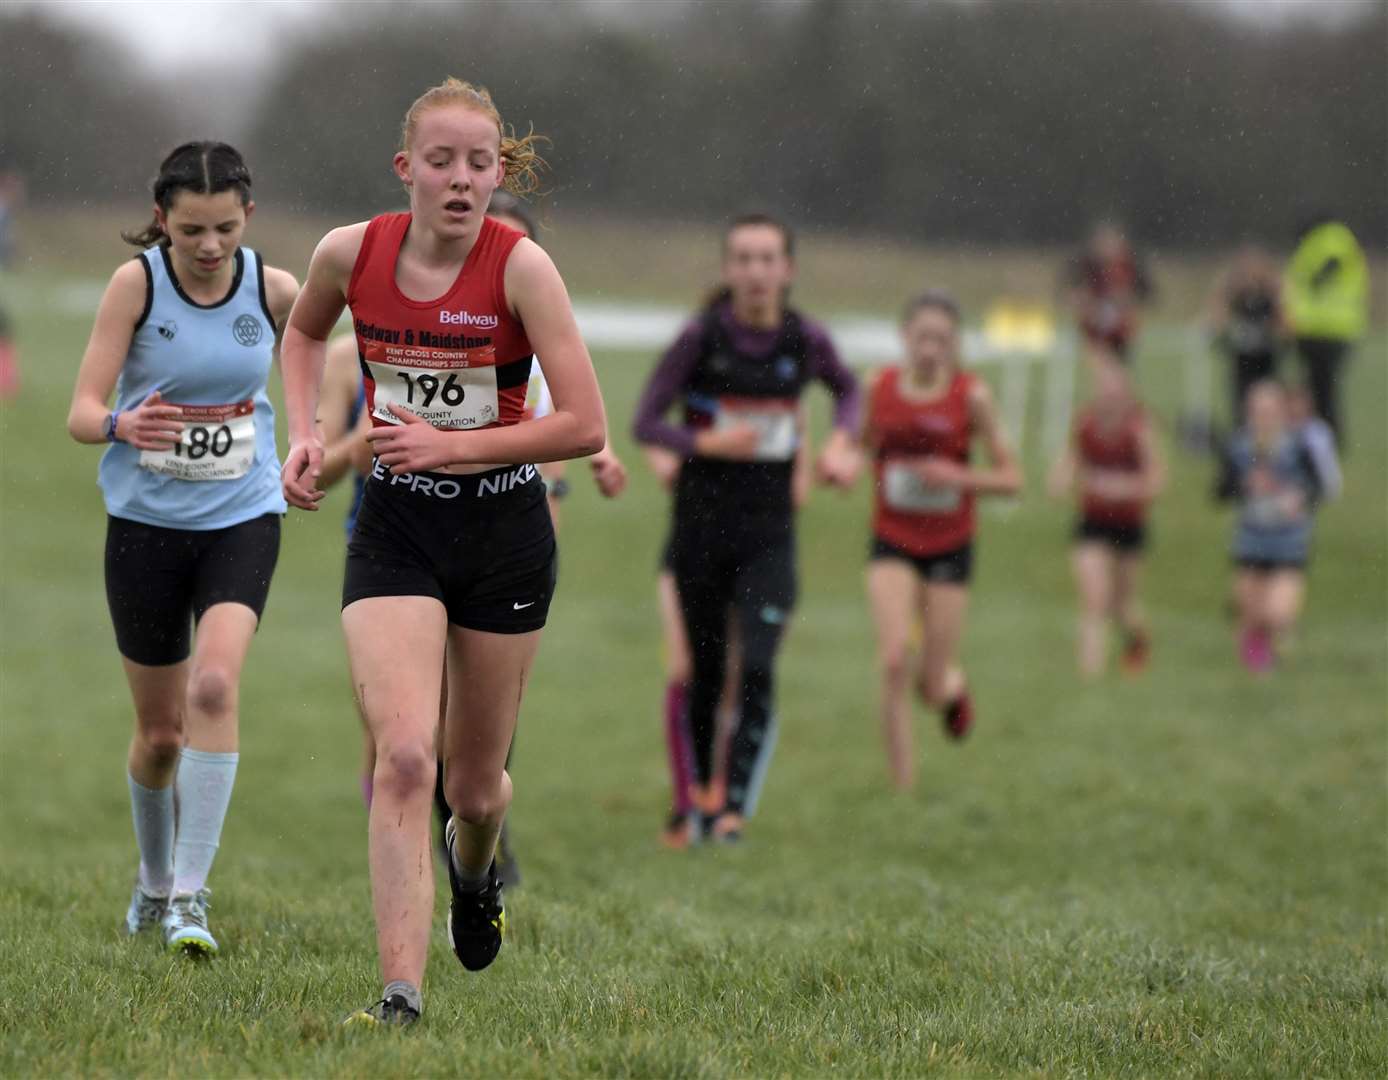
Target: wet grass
[(1179, 875)]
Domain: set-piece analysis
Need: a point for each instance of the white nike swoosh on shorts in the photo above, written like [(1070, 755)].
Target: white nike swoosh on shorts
[(519, 607)]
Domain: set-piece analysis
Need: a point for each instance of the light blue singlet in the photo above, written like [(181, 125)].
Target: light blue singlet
[(214, 355)]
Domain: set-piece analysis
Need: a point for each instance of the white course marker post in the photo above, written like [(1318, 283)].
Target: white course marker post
[(1197, 410), (1060, 394)]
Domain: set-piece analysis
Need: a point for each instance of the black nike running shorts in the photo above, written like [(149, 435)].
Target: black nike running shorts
[(482, 545)]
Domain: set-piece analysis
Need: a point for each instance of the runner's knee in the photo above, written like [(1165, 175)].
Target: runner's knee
[(161, 735), (406, 769), (896, 664), (211, 690), (478, 802)]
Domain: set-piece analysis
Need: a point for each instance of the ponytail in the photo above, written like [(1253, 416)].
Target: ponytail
[(519, 153), (204, 168)]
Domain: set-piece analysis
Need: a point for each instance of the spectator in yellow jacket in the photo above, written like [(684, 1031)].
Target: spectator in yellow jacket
[(1326, 294)]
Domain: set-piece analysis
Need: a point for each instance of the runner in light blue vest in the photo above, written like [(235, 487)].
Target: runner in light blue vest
[(185, 337), (217, 358)]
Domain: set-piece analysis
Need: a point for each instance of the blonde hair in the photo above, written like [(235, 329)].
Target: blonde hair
[(523, 164)]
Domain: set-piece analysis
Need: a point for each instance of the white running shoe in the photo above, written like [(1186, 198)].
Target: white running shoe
[(185, 925), (145, 912)]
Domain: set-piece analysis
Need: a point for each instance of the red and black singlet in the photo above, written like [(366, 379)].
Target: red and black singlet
[(907, 513), (461, 361), (1112, 447)]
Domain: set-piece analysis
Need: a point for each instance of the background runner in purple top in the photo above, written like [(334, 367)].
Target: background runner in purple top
[(671, 376)]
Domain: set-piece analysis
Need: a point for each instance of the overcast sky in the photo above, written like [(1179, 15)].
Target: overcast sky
[(177, 33)]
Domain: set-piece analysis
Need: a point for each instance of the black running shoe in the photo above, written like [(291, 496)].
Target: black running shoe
[(392, 1010), (476, 920), (507, 869), (442, 813)]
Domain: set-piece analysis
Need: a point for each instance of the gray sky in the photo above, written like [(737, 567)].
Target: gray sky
[(181, 33)]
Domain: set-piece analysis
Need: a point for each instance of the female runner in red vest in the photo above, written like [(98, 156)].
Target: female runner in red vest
[(1113, 463), (452, 555), (922, 420), (1108, 286)]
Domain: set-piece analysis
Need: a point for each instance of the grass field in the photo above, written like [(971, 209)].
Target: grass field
[(1180, 875)]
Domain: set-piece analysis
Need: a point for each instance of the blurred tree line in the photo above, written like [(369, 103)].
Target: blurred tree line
[(1000, 122)]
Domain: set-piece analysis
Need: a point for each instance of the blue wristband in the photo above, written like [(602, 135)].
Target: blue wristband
[(111, 426)]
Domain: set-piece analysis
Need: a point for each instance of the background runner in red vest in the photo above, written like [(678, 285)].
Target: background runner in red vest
[(453, 552), (1113, 463), (1108, 286), (922, 420)]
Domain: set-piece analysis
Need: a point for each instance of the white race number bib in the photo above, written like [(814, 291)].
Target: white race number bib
[(450, 388), (774, 420), (217, 443), (904, 490)]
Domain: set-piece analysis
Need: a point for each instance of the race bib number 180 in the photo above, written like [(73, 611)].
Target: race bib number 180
[(448, 388), (217, 443)]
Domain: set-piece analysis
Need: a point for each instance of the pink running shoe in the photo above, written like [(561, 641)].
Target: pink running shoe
[(1255, 650), (9, 370)]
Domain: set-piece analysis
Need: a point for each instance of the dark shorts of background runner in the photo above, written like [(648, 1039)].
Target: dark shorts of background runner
[(955, 567), (1125, 539), (1269, 566)]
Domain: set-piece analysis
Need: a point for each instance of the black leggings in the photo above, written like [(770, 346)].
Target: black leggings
[(1323, 358), (750, 566), (1247, 369)]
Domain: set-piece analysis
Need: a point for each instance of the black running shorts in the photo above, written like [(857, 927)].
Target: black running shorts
[(1124, 539), (954, 567), (1268, 566), (482, 545), (160, 581)]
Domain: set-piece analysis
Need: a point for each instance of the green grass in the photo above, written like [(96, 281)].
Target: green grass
[(1184, 874)]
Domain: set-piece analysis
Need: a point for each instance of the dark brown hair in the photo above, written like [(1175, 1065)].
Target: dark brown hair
[(503, 202), (205, 168), (931, 300), (721, 293), (758, 218)]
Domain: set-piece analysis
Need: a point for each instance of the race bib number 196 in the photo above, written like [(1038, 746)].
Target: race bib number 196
[(217, 443), (448, 388)]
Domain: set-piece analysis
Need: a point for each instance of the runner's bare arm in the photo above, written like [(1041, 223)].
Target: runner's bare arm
[(281, 289), (1153, 461), (1003, 476), (303, 353), (151, 425), (341, 386), (1062, 475)]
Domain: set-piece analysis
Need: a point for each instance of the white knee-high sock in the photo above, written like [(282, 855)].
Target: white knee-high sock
[(204, 792), (153, 811)]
